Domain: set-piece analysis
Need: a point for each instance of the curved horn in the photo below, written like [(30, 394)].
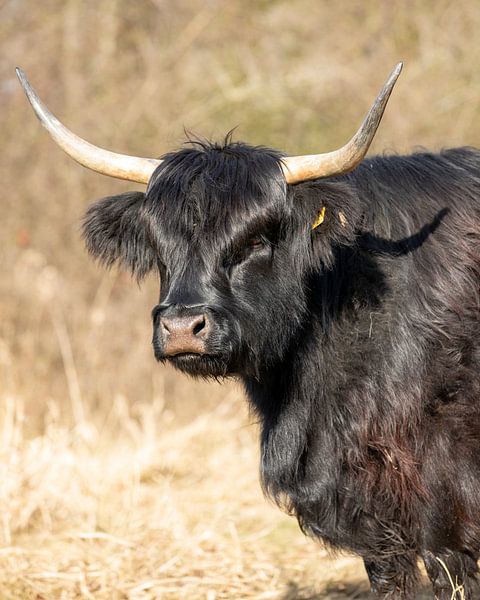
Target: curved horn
[(103, 161), (303, 168)]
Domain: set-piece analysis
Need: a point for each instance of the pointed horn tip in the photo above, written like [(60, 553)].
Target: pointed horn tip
[(392, 80), (397, 69), (22, 78), (20, 73)]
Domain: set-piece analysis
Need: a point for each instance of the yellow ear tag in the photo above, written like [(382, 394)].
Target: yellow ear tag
[(320, 218)]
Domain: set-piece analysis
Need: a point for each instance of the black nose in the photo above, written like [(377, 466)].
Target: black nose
[(187, 334)]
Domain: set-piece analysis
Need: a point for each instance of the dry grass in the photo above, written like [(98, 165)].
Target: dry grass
[(120, 479), (122, 511), (458, 591)]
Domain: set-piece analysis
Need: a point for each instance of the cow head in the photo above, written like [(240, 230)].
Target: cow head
[(233, 243)]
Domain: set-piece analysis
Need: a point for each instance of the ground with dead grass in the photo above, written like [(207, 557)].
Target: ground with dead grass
[(141, 507), (120, 479)]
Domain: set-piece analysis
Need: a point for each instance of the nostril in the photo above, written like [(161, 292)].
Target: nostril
[(199, 325), (164, 325)]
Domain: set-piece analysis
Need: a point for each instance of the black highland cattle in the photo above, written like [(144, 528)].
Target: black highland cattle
[(347, 300)]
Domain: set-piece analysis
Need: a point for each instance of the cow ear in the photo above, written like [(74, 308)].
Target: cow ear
[(331, 212), (114, 232)]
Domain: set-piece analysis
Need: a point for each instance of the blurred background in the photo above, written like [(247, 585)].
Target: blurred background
[(120, 478)]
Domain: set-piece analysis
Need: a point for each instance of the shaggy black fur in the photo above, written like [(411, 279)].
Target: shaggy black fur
[(358, 342)]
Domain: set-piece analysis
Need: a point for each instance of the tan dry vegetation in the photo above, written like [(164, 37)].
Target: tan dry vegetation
[(120, 479)]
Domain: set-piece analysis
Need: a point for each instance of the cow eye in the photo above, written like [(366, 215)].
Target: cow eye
[(242, 252), (255, 243)]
